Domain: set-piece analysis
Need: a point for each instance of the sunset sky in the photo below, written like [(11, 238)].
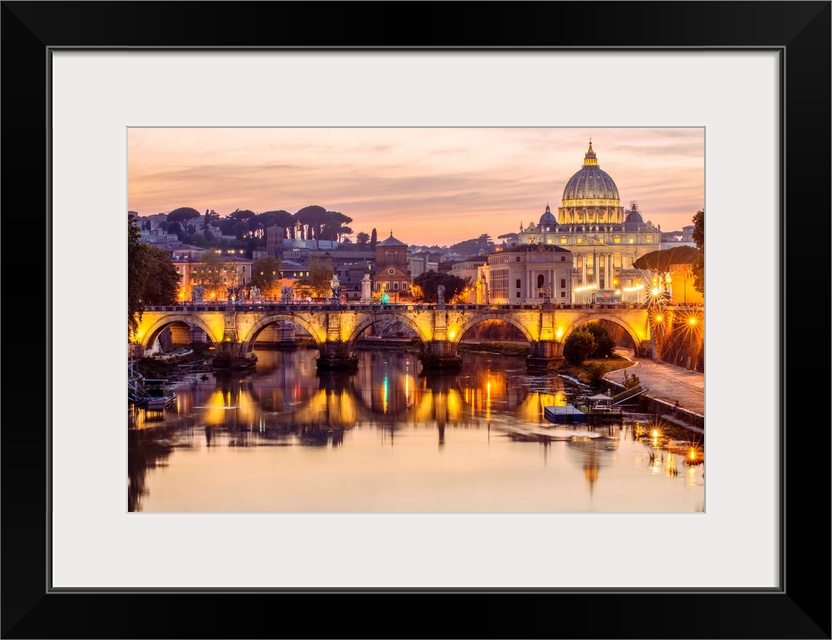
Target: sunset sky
[(426, 185)]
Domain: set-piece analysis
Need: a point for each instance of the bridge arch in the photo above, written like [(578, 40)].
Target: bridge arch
[(635, 335), (152, 334), (257, 328), (476, 319), (372, 318)]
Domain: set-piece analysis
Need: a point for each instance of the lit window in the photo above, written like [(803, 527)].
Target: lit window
[(580, 240), (649, 238), (617, 240), (631, 240)]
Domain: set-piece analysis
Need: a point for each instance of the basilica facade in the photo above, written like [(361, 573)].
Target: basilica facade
[(603, 238)]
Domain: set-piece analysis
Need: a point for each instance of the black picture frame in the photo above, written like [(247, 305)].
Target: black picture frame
[(800, 608)]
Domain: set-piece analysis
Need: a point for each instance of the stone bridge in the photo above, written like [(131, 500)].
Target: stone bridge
[(233, 329)]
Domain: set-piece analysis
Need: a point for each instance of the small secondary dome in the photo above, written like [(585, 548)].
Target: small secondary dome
[(547, 219)]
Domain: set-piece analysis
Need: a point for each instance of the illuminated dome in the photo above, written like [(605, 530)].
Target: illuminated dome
[(590, 183), (591, 196)]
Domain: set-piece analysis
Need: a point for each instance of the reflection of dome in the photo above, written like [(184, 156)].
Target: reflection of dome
[(590, 183), (547, 219)]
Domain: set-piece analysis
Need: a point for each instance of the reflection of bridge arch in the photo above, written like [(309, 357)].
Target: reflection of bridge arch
[(476, 319), (586, 318), (258, 327), (152, 334), (371, 319)]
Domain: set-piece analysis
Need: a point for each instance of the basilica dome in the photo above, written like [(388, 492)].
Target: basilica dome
[(591, 196), (590, 183)]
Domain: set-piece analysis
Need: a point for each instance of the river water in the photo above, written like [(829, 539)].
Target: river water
[(386, 439)]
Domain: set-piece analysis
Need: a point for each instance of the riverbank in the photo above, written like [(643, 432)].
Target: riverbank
[(496, 347), (591, 372)]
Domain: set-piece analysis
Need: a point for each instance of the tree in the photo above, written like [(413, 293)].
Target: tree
[(660, 261), (475, 246), (362, 239), (699, 240), (199, 239), (175, 227), (314, 217), (242, 214), (604, 343), (579, 346), (265, 275), (262, 221), (373, 239), (320, 277), (282, 219), (426, 284), (211, 217), (162, 284), (151, 276), (136, 274), (212, 273), (183, 214)]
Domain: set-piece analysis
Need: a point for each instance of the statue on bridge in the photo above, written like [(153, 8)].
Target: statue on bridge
[(285, 294), (440, 296), (198, 293)]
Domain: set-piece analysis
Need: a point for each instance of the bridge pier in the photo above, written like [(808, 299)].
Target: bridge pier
[(231, 355), (440, 355), (544, 354), (336, 356)]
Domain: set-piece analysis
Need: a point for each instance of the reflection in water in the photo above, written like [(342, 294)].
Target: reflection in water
[(389, 439)]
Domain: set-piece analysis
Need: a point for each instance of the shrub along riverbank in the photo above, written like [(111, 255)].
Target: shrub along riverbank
[(591, 371)]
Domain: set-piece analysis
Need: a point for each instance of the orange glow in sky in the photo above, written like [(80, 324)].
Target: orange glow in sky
[(426, 185)]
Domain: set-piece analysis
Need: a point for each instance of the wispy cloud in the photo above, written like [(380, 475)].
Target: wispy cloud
[(429, 185)]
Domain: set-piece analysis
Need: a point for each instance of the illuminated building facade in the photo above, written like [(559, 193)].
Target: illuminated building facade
[(527, 274), (592, 224)]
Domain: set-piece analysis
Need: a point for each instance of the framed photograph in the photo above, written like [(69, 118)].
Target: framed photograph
[(143, 107)]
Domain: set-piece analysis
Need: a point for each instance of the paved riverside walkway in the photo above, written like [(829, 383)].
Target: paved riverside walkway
[(665, 381)]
